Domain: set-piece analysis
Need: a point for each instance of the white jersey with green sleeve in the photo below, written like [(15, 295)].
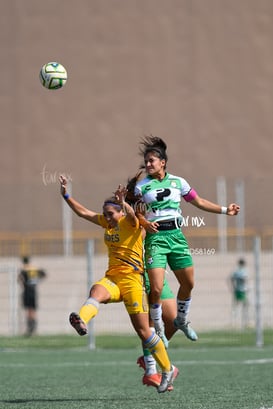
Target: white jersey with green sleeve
[(162, 197)]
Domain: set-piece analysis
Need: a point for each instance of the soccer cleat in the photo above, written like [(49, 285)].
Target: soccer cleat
[(155, 380), (77, 323), (167, 379), (175, 375), (141, 363), (152, 380), (188, 331)]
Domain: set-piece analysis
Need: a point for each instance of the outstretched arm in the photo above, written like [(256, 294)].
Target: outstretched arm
[(204, 204), (140, 209), (130, 215), (77, 208)]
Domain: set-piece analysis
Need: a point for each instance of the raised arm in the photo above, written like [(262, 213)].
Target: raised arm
[(204, 204), (130, 215), (77, 208)]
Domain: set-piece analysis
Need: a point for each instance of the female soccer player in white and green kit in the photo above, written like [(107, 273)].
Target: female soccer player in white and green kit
[(151, 376), (165, 242)]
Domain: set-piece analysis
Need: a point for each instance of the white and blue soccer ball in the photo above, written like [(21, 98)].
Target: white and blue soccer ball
[(53, 75)]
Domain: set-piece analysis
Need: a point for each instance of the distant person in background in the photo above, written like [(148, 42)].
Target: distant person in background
[(29, 277), (239, 279)]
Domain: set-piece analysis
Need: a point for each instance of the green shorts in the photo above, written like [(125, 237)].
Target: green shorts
[(167, 247), (167, 292), (240, 295)]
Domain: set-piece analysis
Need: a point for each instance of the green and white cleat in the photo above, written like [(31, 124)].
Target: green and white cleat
[(185, 327)]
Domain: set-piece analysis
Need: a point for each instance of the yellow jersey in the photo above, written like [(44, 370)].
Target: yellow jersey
[(125, 245)]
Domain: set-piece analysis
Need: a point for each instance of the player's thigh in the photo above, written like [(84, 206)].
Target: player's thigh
[(133, 293), (156, 251), (106, 290), (179, 257)]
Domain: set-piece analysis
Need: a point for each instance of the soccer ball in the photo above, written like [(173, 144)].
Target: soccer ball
[(53, 75)]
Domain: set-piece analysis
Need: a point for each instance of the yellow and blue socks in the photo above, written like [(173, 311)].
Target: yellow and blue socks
[(155, 345), (89, 309)]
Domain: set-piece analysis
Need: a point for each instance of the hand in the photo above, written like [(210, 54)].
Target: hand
[(233, 209), (120, 194), (151, 227), (63, 182), (140, 207)]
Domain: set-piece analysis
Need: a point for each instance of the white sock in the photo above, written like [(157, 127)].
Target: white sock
[(150, 364), (156, 315), (183, 307)]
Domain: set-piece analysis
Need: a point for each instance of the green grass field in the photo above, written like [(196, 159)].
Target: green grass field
[(61, 372)]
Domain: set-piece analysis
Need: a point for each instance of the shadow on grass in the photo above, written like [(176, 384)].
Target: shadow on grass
[(64, 400)]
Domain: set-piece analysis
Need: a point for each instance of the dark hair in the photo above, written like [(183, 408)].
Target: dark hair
[(112, 201), (153, 144), (241, 262), (25, 259), (131, 198)]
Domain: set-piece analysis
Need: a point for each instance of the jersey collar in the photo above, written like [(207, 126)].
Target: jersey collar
[(161, 180)]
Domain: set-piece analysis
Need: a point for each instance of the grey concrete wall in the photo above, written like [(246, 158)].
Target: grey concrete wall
[(197, 73)]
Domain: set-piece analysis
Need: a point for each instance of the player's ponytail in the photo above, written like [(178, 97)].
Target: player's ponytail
[(131, 198), (153, 144)]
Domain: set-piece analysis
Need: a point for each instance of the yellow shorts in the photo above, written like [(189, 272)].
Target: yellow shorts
[(128, 288)]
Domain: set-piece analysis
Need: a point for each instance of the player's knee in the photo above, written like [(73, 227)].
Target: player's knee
[(155, 294)]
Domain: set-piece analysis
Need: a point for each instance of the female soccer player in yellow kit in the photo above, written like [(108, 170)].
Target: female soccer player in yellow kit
[(123, 281)]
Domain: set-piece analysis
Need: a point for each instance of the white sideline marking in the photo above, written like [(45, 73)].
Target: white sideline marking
[(246, 362), (112, 363), (266, 408)]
